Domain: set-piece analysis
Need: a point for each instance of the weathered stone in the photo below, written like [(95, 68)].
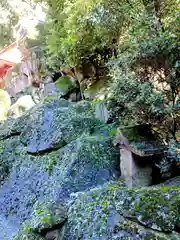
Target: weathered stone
[(7, 159), (172, 182), (50, 89), (89, 161), (47, 215), (133, 173), (21, 106), (30, 236), (115, 212), (59, 123), (139, 151), (140, 140), (101, 112), (82, 164), (13, 127)]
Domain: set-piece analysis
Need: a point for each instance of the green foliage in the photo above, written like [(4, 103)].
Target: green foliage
[(79, 30), (138, 39), (145, 74), (8, 18)]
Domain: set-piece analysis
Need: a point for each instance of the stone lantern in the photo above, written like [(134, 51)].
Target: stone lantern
[(139, 150)]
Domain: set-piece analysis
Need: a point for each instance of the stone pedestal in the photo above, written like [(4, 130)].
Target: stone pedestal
[(132, 173)]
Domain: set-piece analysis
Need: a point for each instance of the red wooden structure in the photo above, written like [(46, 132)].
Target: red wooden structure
[(8, 57)]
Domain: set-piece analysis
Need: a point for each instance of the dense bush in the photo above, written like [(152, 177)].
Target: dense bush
[(145, 75)]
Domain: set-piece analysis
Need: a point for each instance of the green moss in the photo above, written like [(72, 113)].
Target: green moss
[(64, 83), (157, 208), (27, 227), (114, 187), (46, 215), (50, 161), (108, 130), (150, 204), (139, 132), (1, 146), (49, 99), (25, 233)]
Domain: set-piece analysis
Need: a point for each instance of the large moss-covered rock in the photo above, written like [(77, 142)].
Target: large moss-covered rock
[(84, 163), (116, 212), (47, 215), (13, 127), (59, 123), (51, 124)]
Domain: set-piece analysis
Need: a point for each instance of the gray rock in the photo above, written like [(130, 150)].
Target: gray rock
[(116, 212), (61, 87), (7, 228), (23, 104), (58, 124), (47, 215), (50, 89), (56, 175)]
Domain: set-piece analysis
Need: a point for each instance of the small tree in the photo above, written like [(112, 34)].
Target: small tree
[(145, 76)]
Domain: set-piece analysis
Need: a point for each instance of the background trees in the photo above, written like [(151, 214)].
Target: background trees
[(137, 41)]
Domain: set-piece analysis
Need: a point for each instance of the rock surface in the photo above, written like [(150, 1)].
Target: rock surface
[(58, 176), (57, 124), (7, 229), (23, 104), (47, 215), (81, 162), (115, 212), (61, 87)]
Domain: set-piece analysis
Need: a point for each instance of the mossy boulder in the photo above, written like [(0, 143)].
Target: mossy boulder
[(58, 124), (51, 124), (116, 212), (47, 215), (13, 127), (84, 163), (80, 165), (156, 208)]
